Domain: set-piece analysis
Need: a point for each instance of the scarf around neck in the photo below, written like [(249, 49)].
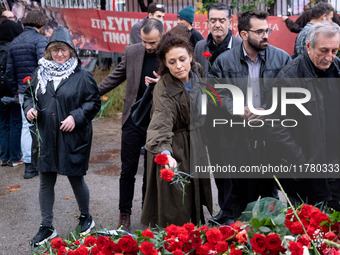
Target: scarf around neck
[(215, 49), (48, 69)]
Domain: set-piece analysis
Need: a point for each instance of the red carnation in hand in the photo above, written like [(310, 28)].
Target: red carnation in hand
[(207, 54), (259, 243), (167, 174), (27, 79), (162, 159)]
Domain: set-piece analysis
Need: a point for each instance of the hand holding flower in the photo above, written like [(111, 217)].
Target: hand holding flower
[(31, 114)]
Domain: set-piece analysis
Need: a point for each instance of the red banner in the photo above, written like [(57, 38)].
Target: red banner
[(109, 31)]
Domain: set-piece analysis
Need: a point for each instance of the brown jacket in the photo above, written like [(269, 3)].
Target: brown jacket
[(129, 69), (169, 130)]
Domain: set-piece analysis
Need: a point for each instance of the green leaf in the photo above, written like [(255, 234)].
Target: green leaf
[(265, 229), (279, 220), (255, 222)]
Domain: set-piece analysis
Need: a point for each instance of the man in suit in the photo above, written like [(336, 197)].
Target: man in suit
[(138, 68), (220, 39)]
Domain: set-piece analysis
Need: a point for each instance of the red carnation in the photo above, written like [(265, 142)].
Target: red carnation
[(235, 252), (331, 236), (207, 54), (259, 243), (27, 79), (273, 242), (162, 159), (213, 235), (147, 248), (296, 248), (90, 241), (222, 246), (57, 243), (167, 174), (148, 233)]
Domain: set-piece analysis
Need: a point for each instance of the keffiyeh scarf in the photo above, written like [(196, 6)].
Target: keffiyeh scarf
[(49, 69)]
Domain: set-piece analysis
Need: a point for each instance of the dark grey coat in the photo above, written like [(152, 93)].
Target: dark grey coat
[(66, 153)]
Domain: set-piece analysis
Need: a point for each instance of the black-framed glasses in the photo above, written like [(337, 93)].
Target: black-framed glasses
[(160, 6), (262, 32)]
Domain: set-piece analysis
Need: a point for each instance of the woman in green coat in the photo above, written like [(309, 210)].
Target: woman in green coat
[(175, 116)]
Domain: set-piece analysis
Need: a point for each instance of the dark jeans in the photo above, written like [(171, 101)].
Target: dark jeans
[(133, 138), (10, 131)]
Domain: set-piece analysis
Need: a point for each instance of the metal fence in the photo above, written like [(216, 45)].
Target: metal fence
[(280, 7)]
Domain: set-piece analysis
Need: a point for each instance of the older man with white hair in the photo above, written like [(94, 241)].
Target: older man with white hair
[(315, 141)]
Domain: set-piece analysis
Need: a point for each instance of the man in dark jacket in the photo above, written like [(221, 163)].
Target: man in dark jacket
[(10, 113), (220, 39), (316, 138), (252, 60), (186, 17), (155, 11), (138, 68), (23, 56)]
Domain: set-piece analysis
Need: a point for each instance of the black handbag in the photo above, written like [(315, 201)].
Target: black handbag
[(140, 110)]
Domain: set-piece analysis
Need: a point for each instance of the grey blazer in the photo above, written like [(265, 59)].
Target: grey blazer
[(129, 69), (202, 47)]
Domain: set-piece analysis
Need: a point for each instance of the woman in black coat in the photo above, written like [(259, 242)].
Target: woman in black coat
[(63, 99)]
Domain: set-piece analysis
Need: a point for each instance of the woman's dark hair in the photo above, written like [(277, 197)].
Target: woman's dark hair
[(244, 19), (34, 19), (169, 41)]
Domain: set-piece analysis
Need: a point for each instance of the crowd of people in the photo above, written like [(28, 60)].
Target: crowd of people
[(164, 73)]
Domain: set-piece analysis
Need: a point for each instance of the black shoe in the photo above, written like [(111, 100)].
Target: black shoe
[(29, 171), (86, 223), (221, 218), (4, 162), (44, 234)]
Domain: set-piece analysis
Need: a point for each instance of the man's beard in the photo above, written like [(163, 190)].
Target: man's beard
[(257, 45)]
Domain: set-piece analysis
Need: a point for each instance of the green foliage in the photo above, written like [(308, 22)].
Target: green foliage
[(115, 97), (251, 5)]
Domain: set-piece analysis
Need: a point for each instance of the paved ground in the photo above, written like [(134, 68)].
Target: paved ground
[(19, 208)]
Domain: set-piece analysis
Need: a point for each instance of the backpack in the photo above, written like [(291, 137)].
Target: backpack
[(3, 62)]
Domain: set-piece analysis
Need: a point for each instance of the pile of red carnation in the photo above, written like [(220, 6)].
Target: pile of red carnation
[(318, 227), (319, 231)]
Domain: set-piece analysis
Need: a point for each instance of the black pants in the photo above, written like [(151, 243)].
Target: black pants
[(133, 138)]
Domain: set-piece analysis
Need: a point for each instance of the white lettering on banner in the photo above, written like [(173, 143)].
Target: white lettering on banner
[(170, 24), (98, 23), (275, 27), (119, 38), (119, 22), (197, 25), (111, 23)]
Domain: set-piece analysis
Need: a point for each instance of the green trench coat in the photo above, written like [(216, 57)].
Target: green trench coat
[(169, 130)]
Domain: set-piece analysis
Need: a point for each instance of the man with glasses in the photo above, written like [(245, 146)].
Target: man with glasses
[(155, 11), (253, 61), (219, 40)]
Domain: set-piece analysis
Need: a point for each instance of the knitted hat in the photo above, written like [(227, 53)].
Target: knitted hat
[(187, 14)]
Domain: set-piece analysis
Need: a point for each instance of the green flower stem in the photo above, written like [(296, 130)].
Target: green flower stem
[(332, 243), (35, 121), (295, 213)]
